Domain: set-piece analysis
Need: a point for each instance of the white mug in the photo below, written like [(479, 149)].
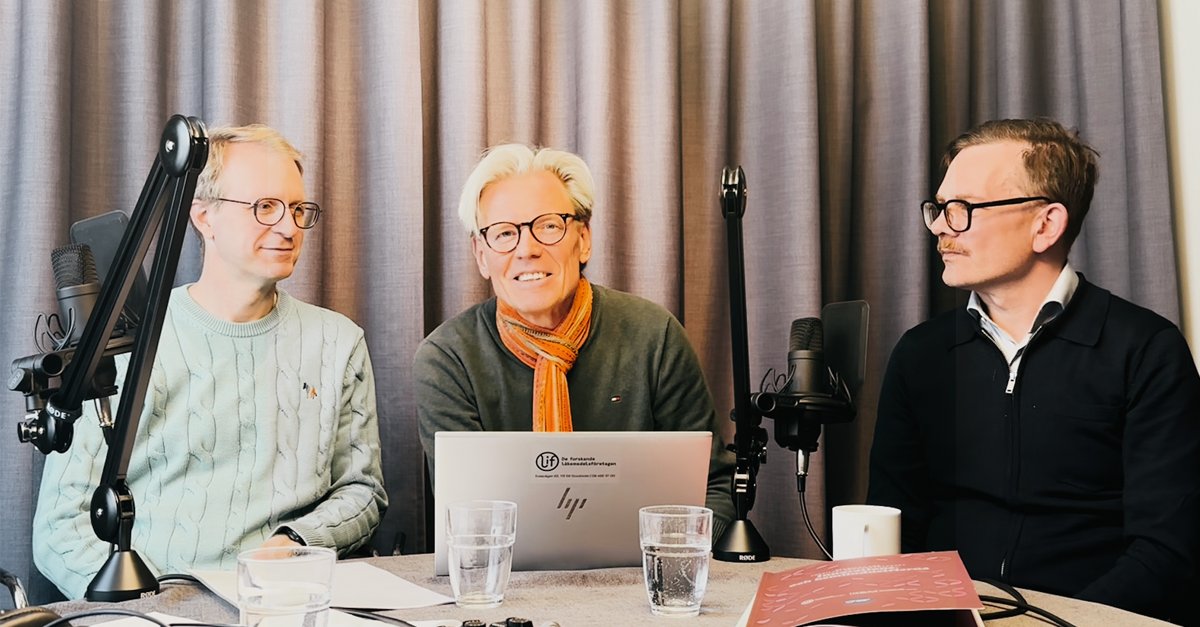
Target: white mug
[(865, 531)]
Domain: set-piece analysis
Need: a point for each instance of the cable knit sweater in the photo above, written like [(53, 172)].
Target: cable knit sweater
[(246, 427)]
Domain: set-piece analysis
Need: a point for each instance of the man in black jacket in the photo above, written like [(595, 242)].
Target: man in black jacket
[(1049, 431)]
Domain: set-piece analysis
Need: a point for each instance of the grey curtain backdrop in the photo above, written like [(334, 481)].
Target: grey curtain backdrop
[(838, 111)]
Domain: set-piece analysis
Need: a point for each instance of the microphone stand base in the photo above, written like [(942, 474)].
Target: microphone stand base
[(122, 578), (741, 542)]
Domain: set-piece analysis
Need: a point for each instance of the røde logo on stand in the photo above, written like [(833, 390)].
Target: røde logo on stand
[(570, 504)]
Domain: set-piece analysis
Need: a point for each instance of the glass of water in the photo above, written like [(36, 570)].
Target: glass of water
[(285, 586), (480, 535), (676, 541)]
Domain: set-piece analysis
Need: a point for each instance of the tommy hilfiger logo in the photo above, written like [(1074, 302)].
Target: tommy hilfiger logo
[(310, 391), (570, 504)]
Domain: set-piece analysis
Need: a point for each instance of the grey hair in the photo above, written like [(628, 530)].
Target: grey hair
[(506, 160)]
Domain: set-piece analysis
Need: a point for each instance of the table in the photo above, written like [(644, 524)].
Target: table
[(613, 596)]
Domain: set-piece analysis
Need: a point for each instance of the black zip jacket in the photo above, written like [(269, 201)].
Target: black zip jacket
[(1083, 481)]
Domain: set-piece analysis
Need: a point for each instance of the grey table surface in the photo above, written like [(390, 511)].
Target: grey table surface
[(613, 596)]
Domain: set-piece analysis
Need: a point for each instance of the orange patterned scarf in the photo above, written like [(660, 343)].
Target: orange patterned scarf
[(550, 353)]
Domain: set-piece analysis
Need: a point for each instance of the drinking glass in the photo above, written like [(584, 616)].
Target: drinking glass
[(676, 541), (285, 586), (480, 535)]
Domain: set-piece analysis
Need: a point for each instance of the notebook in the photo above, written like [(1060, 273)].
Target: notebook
[(577, 494)]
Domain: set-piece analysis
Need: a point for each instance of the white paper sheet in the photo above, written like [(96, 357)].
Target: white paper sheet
[(336, 619), (357, 585), (133, 621)]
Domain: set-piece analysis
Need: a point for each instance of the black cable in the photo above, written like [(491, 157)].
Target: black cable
[(180, 577), (378, 617), (41, 336), (104, 611), (808, 522), (1012, 592), (762, 385), (1018, 605), (1024, 606)]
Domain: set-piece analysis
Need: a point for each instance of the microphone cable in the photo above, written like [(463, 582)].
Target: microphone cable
[(801, 483), (379, 617), (179, 577), (104, 611), (1017, 606)]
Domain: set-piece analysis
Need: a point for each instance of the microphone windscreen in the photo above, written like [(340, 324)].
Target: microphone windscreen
[(807, 335), (73, 265)]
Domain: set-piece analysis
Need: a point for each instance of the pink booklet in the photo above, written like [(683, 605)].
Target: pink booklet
[(920, 588)]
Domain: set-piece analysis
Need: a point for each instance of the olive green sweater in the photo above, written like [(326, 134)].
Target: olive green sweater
[(636, 372)]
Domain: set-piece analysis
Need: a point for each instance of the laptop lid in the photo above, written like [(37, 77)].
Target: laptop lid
[(577, 494)]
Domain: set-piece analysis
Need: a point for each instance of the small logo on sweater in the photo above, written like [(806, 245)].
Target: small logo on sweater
[(310, 391)]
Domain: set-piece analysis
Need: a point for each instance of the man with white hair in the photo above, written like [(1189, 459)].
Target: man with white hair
[(259, 426), (551, 351)]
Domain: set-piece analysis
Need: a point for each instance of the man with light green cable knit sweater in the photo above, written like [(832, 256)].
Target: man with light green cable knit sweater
[(259, 427), (552, 352)]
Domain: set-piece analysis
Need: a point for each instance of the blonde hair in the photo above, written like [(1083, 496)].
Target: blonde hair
[(506, 160), (208, 185)]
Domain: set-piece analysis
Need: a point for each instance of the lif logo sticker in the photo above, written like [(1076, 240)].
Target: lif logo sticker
[(573, 464), (546, 461)]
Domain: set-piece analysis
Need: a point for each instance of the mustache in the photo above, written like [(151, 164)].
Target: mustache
[(950, 246)]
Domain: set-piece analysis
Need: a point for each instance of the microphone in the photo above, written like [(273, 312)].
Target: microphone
[(812, 395), (77, 287), (806, 358), (820, 385)]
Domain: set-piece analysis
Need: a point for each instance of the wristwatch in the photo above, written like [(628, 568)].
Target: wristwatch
[(292, 535)]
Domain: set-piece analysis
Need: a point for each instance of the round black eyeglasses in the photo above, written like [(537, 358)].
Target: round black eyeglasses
[(548, 229), (269, 211)]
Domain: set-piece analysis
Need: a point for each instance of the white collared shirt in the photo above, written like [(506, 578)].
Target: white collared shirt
[(1054, 304)]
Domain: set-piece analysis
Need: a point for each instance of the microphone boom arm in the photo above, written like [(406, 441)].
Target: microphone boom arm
[(741, 542), (161, 210)]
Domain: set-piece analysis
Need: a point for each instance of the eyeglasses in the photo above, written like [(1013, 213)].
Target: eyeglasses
[(548, 229), (958, 212), (269, 211)]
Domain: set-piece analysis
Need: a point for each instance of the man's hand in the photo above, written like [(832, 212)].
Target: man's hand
[(279, 540)]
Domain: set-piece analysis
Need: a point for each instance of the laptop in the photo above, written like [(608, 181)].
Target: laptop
[(577, 494)]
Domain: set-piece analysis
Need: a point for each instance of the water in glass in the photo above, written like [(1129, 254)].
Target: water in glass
[(288, 604), (676, 574), (479, 569)]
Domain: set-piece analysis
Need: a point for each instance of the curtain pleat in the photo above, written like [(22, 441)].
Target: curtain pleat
[(838, 111)]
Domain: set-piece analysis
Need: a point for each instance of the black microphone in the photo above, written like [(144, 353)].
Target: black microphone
[(78, 288), (806, 358), (817, 392)]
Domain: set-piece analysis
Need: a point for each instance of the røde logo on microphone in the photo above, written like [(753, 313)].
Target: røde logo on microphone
[(570, 504), (546, 461)]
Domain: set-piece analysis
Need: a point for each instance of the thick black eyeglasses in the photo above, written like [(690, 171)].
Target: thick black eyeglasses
[(269, 211), (548, 229), (958, 212)]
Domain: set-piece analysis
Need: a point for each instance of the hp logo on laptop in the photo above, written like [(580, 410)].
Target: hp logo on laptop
[(546, 461)]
